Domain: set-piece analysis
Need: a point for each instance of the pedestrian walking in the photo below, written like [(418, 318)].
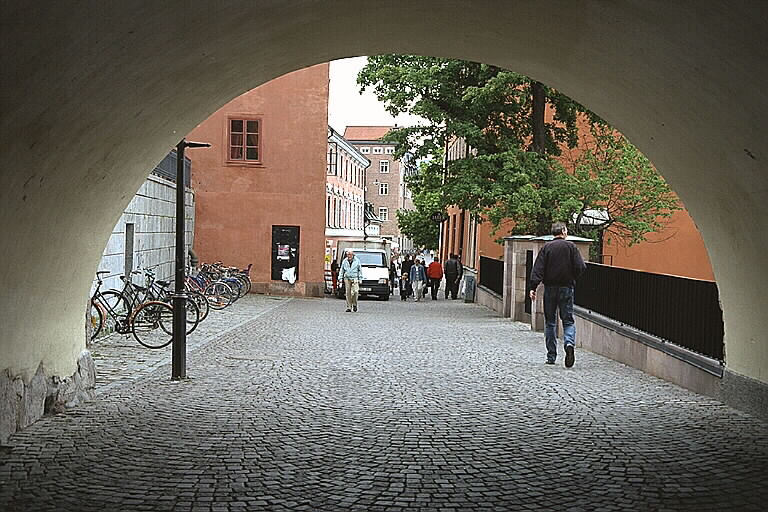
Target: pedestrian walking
[(406, 269), (404, 286), (558, 265), (335, 275), (352, 273), (453, 271), (392, 277), (435, 275), (418, 277)]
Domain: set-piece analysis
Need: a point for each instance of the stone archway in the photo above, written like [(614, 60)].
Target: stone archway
[(92, 97)]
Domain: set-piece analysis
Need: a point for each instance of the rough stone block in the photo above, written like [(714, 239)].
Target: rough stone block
[(11, 392), (71, 391), (32, 404)]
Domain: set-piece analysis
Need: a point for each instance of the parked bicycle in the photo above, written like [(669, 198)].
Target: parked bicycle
[(141, 310)]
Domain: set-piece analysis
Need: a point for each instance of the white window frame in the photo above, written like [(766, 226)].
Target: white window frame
[(378, 150), (383, 189), (384, 213), (384, 166), (365, 150), (389, 150)]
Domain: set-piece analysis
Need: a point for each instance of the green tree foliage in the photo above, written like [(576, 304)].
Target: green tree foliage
[(512, 171)]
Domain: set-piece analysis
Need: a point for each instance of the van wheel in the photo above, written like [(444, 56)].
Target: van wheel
[(383, 297)]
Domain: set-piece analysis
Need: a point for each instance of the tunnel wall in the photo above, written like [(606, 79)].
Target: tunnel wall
[(93, 94)]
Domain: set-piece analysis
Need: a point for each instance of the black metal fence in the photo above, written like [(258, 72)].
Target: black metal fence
[(492, 274), (682, 311), (167, 168)]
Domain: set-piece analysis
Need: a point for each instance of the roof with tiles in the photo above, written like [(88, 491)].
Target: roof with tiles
[(371, 133)]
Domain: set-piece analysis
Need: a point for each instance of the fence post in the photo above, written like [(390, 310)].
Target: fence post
[(508, 288)]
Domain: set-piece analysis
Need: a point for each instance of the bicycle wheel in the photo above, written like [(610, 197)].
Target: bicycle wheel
[(192, 317), (117, 311), (151, 324), (95, 319), (245, 282), (237, 287), (202, 303), (219, 295)]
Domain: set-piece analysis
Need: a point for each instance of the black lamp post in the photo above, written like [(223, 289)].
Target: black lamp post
[(179, 346)]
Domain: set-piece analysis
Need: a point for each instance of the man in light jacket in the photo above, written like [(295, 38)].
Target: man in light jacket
[(352, 273)]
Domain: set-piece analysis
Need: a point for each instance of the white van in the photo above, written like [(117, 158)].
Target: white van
[(374, 260)]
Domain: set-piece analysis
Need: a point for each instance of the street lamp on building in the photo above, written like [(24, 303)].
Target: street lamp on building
[(179, 347)]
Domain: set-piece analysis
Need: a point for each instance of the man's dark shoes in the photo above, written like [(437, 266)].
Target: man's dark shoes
[(354, 308), (348, 310), (550, 361), (569, 357)]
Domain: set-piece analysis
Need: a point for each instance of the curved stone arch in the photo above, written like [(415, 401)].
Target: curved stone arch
[(93, 96)]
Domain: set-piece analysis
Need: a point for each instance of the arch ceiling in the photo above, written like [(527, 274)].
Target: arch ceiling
[(94, 94)]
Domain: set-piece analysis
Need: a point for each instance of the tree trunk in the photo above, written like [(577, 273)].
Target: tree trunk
[(537, 117)]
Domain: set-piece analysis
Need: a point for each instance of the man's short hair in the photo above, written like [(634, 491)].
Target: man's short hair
[(558, 228), (349, 251)]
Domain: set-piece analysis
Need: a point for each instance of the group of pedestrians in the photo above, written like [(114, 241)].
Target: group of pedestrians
[(415, 277), (557, 266)]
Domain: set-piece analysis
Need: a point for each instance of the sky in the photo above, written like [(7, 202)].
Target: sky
[(347, 107)]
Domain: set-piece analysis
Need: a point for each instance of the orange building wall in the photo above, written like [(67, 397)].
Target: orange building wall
[(237, 205), (678, 250)]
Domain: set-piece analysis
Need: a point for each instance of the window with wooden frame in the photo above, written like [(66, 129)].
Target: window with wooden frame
[(244, 140)]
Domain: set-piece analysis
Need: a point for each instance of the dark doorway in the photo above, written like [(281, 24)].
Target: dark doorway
[(528, 269), (285, 250)]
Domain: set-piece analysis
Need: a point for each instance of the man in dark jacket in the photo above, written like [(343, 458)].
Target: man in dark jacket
[(406, 269), (453, 271), (558, 265)]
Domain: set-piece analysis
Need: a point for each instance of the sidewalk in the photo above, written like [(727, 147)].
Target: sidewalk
[(120, 359), (296, 405)]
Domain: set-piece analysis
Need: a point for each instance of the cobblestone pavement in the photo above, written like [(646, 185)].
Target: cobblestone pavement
[(402, 406), (120, 358)]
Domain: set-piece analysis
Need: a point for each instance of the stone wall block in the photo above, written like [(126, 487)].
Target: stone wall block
[(87, 370), (72, 391), (32, 403), (11, 393)]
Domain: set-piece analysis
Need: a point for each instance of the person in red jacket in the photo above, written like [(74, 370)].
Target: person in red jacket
[(435, 275)]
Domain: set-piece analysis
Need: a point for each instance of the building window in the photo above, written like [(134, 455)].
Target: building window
[(383, 213), (383, 189), (389, 150), (245, 140), (365, 150), (384, 166), (378, 151), (336, 213)]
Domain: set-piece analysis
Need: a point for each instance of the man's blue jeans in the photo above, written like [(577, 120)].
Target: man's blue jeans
[(558, 298)]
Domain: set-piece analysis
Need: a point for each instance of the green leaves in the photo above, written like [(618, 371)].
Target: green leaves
[(501, 179)]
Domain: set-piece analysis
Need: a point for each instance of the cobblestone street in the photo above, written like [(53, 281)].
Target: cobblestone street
[(298, 405)]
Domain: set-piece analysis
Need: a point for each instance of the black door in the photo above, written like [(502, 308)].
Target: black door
[(285, 250)]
